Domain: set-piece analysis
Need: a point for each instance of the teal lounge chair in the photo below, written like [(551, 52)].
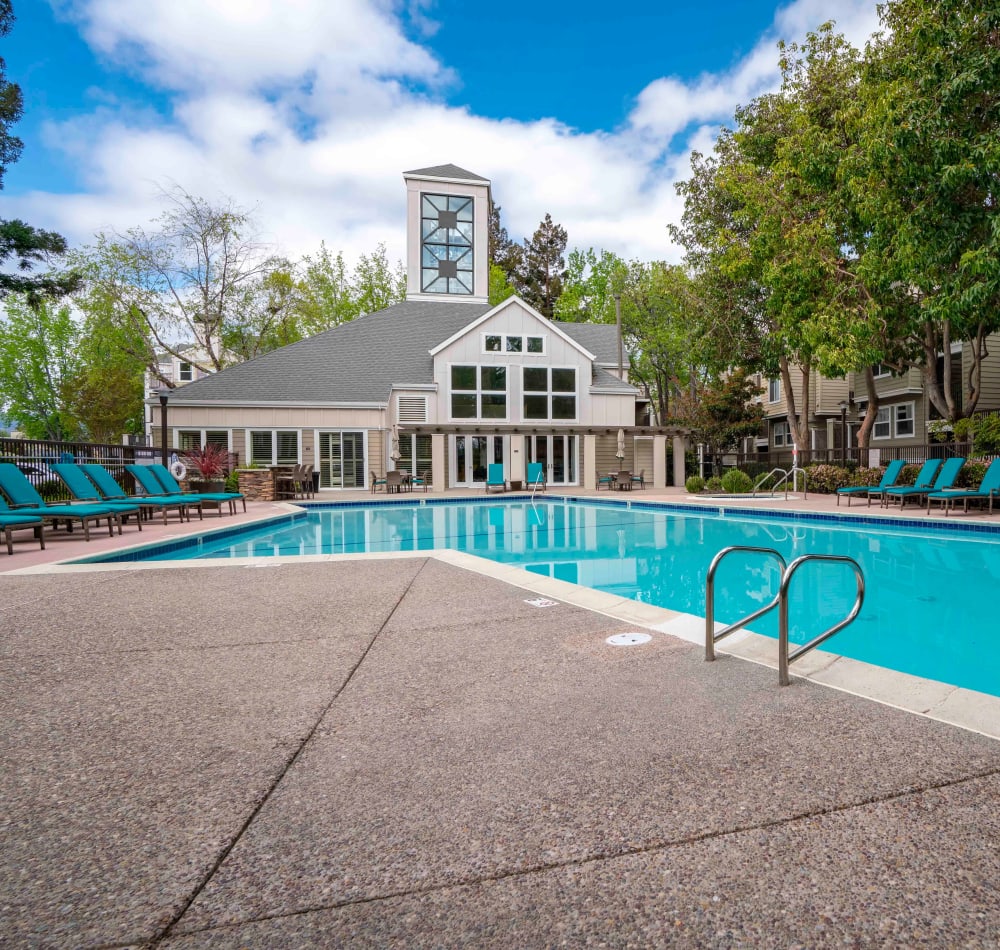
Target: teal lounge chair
[(11, 521), (536, 476), (111, 491), (83, 487), (989, 488), (889, 478), (173, 487), (25, 500), (925, 478), (945, 479), (153, 488), (494, 477)]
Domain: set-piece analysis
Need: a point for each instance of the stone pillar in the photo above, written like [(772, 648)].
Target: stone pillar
[(680, 446), (256, 483), (659, 461), (439, 466), (590, 461)]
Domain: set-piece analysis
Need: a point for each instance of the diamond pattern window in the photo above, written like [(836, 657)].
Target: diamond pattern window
[(446, 258)]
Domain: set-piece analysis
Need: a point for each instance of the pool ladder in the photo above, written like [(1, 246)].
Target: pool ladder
[(780, 601), (790, 473)]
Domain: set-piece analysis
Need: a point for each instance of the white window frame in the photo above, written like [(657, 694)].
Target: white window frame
[(912, 420), (774, 390), (202, 435), (479, 392), (181, 371), (549, 393), (523, 337), (782, 434), (885, 421), (274, 446), (881, 371)]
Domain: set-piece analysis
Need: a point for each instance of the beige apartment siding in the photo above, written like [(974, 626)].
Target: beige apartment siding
[(829, 393), (643, 458), (273, 417), (989, 397)]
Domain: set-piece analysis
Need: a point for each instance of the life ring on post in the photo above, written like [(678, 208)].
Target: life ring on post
[(178, 470)]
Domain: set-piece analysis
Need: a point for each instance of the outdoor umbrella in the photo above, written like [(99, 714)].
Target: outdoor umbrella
[(620, 454), (394, 454)]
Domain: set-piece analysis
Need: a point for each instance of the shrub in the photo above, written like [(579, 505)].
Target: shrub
[(972, 474), (233, 481), (826, 479), (694, 484), (209, 462), (736, 482), (714, 484)]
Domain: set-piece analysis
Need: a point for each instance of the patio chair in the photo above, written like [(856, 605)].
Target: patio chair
[(640, 479), (607, 480), (989, 488), (889, 478), (11, 521), (162, 474), (423, 481), (536, 476), (394, 481), (945, 479), (83, 487), (925, 478), (495, 480), (376, 482), (623, 481), (25, 500)]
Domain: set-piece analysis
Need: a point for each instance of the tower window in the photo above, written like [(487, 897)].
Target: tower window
[(446, 258)]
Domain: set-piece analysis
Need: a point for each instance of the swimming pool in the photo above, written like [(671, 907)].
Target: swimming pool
[(930, 608)]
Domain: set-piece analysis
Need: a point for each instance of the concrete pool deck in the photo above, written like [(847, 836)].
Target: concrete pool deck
[(404, 751)]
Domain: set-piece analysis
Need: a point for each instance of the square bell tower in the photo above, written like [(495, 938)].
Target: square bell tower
[(447, 234)]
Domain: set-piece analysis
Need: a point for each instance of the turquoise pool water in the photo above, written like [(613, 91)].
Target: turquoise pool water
[(930, 608)]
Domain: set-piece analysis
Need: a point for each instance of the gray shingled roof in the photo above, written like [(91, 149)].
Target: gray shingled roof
[(360, 361), (447, 171)]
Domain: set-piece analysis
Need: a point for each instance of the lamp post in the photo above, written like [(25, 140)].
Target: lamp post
[(843, 431), (164, 396)]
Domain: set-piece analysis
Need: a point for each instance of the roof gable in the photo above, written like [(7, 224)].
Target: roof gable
[(497, 310)]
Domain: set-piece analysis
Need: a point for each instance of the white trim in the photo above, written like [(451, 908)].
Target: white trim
[(449, 298), (176, 430), (215, 404), (451, 181), (478, 392), (511, 301)]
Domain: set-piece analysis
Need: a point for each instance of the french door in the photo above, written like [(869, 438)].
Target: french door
[(471, 456), (341, 459), (557, 454)]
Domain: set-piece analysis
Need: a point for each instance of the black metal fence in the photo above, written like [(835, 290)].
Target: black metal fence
[(34, 458), (851, 456)]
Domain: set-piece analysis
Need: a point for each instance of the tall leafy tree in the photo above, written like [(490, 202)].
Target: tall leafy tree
[(377, 282), (21, 246), (39, 364), (188, 279), (540, 276), (926, 181)]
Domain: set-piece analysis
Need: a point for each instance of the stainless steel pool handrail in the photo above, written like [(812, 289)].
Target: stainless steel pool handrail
[(784, 657), (711, 637), (763, 478)]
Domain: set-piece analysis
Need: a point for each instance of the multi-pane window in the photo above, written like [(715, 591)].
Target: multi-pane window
[(479, 392), (185, 372), (773, 390), (549, 393), (414, 454), (446, 264), (274, 447), (196, 438), (513, 343), (898, 421), (883, 424), (782, 434)]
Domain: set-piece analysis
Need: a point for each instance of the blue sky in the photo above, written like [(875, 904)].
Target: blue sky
[(308, 112)]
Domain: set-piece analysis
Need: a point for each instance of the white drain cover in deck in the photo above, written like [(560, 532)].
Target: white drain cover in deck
[(628, 639)]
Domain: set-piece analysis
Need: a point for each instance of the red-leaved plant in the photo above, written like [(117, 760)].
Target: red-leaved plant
[(209, 462)]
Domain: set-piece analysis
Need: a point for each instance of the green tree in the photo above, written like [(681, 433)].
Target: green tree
[(377, 284), (926, 182), (21, 245), (540, 276), (198, 276), (39, 365), (504, 253), (589, 285), (326, 296)]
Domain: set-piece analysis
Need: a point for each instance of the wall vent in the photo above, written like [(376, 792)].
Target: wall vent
[(412, 409)]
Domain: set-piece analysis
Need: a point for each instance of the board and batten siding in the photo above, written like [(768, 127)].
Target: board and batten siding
[(989, 396)]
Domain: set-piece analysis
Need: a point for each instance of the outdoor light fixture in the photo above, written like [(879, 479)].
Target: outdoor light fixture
[(844, 405)]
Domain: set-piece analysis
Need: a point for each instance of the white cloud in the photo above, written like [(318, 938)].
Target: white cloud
[(304, 109)]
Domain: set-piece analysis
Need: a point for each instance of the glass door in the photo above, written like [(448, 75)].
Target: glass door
[(341, 460), (472, 455), (557, 453)]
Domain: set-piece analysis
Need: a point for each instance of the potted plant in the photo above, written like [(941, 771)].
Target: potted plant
[(207, 468)]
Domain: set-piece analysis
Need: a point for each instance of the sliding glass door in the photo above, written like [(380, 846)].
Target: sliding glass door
[(341, 457)]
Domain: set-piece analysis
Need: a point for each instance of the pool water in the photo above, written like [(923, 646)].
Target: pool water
[(931, 599)]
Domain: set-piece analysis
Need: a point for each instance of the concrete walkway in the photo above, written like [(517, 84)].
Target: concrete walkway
[(399, 752)]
